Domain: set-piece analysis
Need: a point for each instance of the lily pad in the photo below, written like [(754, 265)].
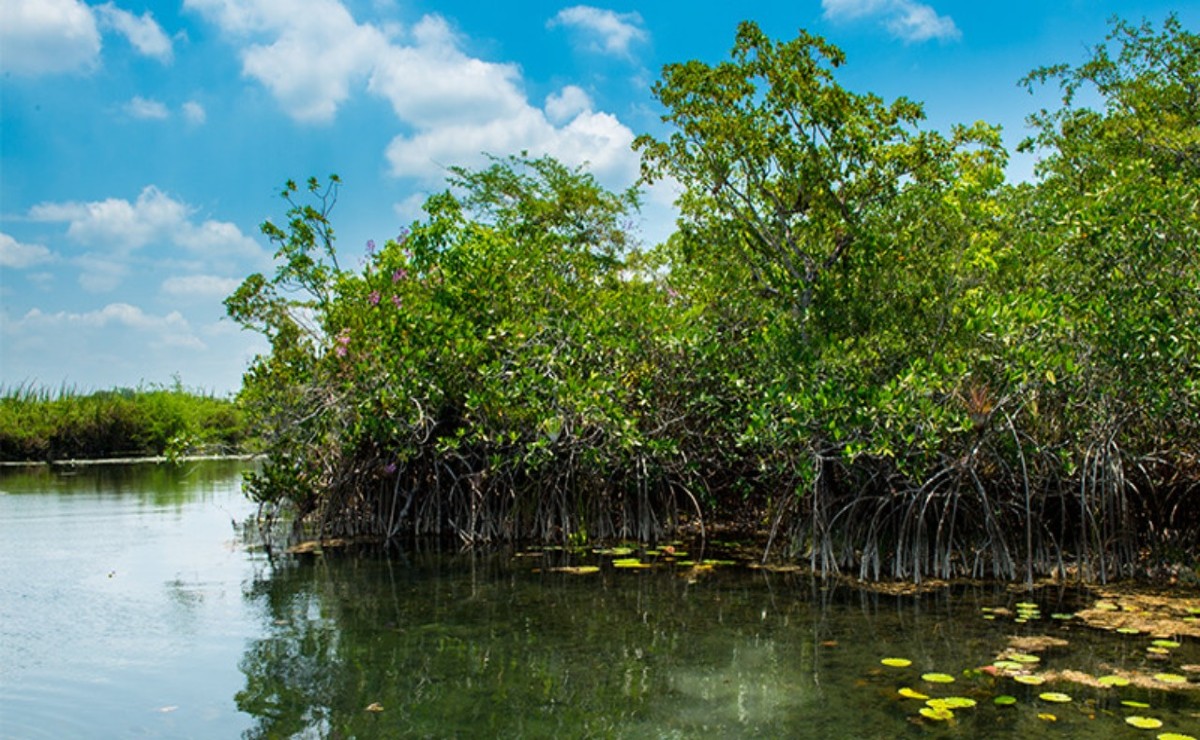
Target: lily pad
[(1026, 605), (938, 715), (630, 563), (1030, 680), (1144, 723), (1174, 736), (1165, 644), (908, 693), (1024, 658), (1061, 616), (1170, 678), (577, 570), (937, 677), (1128, 630), (896, 662), (1004, 700), (1047, 717), (1154, 650), (955, 702), (1113, 681), (1135, 704), (1054, 697), (1009, 665)]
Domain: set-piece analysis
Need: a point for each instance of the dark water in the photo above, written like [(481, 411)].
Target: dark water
[(129, 609)]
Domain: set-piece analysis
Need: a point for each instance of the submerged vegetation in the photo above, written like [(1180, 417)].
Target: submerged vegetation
[(861, 340), (39, 424)]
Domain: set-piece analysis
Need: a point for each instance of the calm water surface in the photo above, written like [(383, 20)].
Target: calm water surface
[(129, 607)]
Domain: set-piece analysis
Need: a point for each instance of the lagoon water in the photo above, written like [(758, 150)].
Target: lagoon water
[(130, 606)]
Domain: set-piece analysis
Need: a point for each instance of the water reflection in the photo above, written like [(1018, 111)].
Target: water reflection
[(483, 646)]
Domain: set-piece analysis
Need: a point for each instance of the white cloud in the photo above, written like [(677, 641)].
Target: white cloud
[(142, 32), (316, 54), (47, 37), (18, 256), (608, 32), (140, 107), (567, 103), (171, 330), (199, 286), (906, 19), (155, 217), (194, 113)]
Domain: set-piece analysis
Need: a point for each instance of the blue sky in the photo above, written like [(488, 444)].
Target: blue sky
[(141, 143)]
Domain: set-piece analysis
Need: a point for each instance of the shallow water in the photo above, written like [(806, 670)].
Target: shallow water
[(128, 609)]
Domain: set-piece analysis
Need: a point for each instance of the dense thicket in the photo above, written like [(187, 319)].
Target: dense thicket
[(861, 338), (66, 424)]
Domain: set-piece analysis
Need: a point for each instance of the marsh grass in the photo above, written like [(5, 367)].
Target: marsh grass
[(41, 423)]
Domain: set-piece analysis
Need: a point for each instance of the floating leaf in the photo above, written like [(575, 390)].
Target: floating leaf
[(1026, 605), (1113, 681), (937, 677), (1030, 680), (630, 563), (1107, 606), (896, 662), (1054, 697), (908, 693), (1047, 717), (1129, 630), (939, 715), (1008, 665), (1165, 644), (1024, 658), (1064, 617), (1135, 704), (955, 702), (1174, 736), (1004, 700), (577, 570), (1144, 723), (1153, 650), (1170, 678)]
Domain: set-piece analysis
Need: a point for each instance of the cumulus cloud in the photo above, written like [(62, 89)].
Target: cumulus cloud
[(606, 31), (171, 330), (199, 286), (313, 57), (114, 229), (140, 107), (47, 37), (143, 32), (17, 255), (906, 19), (453, 106)]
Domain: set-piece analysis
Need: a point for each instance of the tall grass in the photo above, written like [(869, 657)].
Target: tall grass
[(39, 423)]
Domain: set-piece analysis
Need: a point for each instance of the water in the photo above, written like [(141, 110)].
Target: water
[(129, 609)]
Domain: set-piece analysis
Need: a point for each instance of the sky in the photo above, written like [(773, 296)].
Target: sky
[(143, 143)]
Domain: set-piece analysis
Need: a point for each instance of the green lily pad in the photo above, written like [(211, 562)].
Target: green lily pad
[(1009, 665), (896, 662), (1061, 616), (577, 570), (630, 563), (1026, 605), (938, 715), (1170, 678), (1030, 680), (1128, 630), (1004, 700), (1144, 723), (937, 677), (1024, 658), (1135, 704), (1054, 697), (1165, 644), (1047, 717), (1174, 736), (908, 693), (1155, 650), (1113, 681), (955, 702)]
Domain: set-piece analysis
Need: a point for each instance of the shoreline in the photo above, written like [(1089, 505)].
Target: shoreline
[(156, 459)]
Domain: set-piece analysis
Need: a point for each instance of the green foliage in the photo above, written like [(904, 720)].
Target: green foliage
[(37, 424), (860, 338)]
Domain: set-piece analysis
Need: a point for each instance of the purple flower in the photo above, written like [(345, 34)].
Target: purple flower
[(396, 301), (399, 275), (389, 468), (402, 236), (343, 344), (374, 298), (370, 246)]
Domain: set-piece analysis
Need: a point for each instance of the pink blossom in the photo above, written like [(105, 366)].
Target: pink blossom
[(343, 344), (390, 468), (399, 275), (396, 301), (374, 298)]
